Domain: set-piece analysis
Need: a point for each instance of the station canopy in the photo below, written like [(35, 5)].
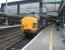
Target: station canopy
[(51, 7)]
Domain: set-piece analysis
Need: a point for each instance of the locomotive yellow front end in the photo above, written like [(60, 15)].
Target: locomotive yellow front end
[(29, 24)]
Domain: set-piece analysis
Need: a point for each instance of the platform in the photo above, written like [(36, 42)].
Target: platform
[(2, 27), (47, 39)]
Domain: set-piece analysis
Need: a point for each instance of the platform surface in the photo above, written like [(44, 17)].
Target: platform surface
[(47, 39)]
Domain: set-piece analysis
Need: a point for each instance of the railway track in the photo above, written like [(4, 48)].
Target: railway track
[(14, 41), (10, 36), (20, 44), (8, 40)]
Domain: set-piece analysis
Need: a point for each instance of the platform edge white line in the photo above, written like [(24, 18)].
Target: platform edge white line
[(32, 40)]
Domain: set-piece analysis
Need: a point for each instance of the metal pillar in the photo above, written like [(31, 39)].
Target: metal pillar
[(63, 19), (2, 8), (41, 12), (41, 8), (6, 7), (6, 20), (6, 13), (59, 16), (18, 9)]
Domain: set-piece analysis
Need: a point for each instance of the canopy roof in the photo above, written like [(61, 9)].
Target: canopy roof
[(48, 6), (52, 5)]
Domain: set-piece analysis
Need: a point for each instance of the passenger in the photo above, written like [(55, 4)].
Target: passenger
[(57, 24)]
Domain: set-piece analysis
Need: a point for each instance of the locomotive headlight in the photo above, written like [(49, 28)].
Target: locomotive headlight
[(34, 25), (22, 26)]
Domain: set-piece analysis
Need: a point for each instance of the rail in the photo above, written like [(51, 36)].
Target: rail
[(7, 37), (11, 39)]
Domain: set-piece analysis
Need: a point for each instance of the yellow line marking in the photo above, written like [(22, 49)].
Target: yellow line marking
[(50, 46)]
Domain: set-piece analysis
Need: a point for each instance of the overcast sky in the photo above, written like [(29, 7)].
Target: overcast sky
[(3, 1)]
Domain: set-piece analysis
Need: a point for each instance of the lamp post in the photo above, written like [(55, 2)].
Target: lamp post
[(6, 13), (6, 7)]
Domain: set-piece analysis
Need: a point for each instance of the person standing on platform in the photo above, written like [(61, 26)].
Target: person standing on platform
[(57, 24)]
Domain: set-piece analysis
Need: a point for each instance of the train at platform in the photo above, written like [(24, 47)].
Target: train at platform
[(31, 24)]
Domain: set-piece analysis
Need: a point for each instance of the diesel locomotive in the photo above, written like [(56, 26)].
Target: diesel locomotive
[(30, 24)]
